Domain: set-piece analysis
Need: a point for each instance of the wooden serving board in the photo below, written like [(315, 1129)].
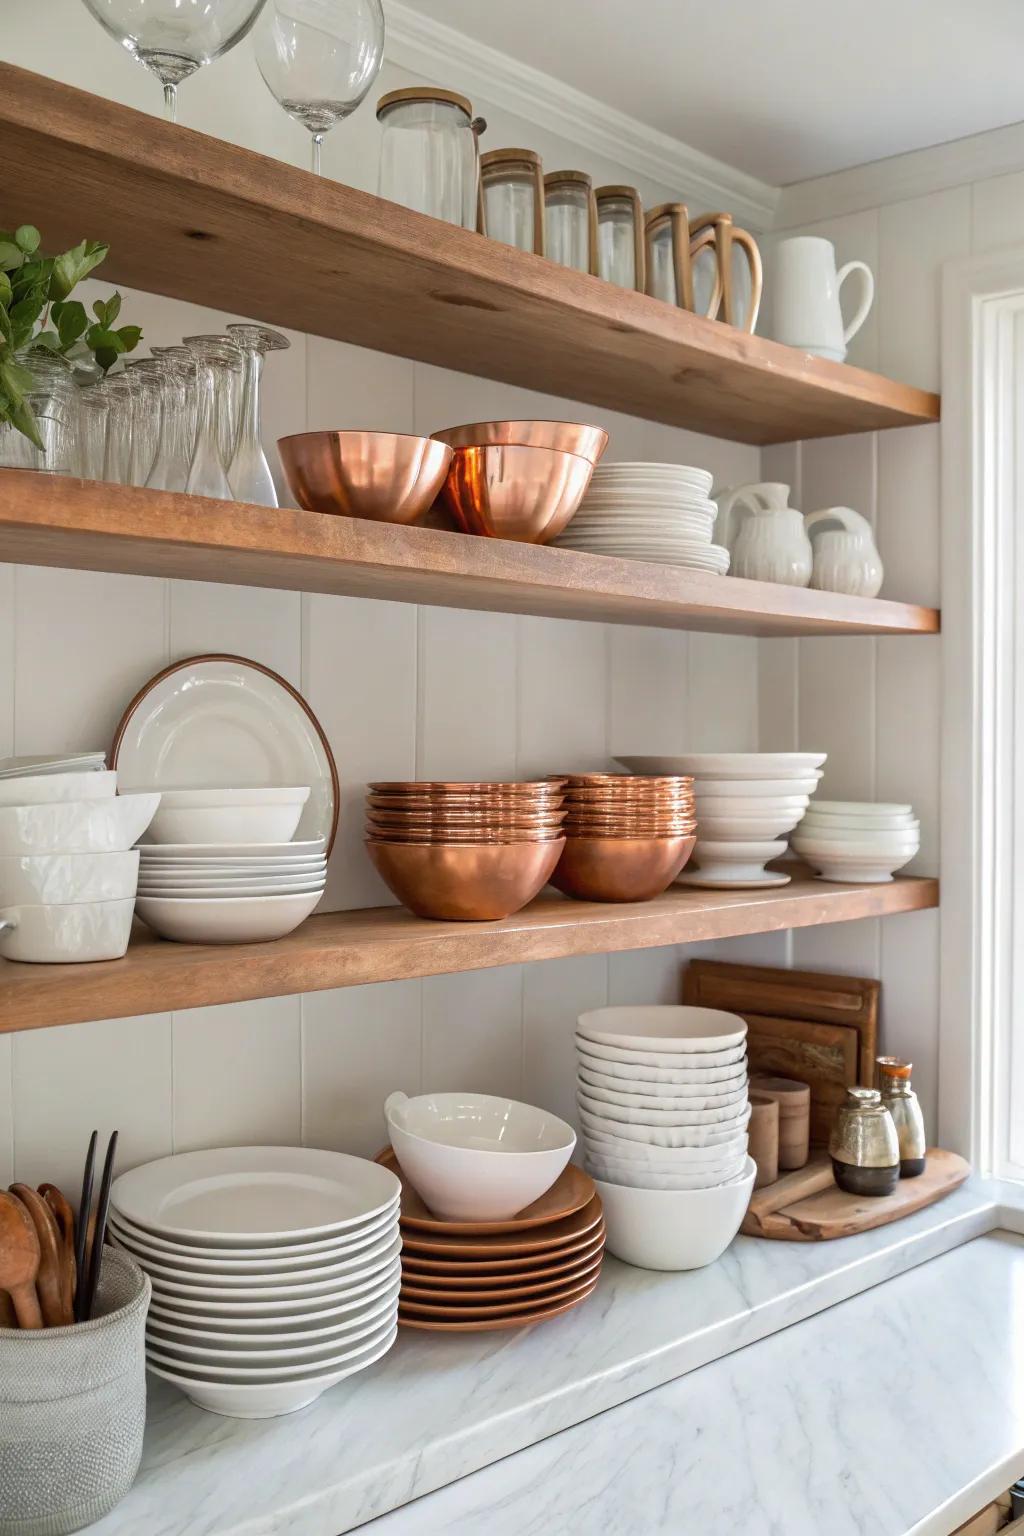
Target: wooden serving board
[(822, 1055), (806, 1206)]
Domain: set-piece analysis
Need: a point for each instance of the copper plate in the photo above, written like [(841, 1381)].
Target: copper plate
[(532, 1240), (498, 1308), (571, 1191), (474, 1271), (604, 780), (456, 801), (620, 869), (485, 818), (576, 1274), (464, 786), (484, 1325)]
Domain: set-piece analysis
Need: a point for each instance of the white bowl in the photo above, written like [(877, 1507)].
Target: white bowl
[(736, 809), (636, 1176), (667, 1098), (76, 826), (666, 1159), (666, 1135), (226, 919), (730, 765), (627, 1077), (877, 837), (729, 789), (857, 850), (49, 878), (44, 789), (728, 1059), (674, 1229), (876, 870), (267, 823), (746, 829), (66, 934), (728, 1116), (476, 1157), (864, 808), (679, 1030), (224, 888), (200, 799), (735, 861), (233, 853)]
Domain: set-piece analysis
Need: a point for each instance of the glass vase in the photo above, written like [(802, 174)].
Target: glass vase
[(53, 398)]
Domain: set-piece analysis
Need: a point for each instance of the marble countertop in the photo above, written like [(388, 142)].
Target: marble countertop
[(438, 1408)]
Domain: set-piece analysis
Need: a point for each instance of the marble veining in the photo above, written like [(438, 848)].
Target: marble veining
[(438, 1408)]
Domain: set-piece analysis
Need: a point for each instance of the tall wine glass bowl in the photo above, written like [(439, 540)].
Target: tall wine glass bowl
[(174, 38), (318, 59)]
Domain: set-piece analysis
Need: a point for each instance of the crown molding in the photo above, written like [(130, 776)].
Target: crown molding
[(420, 43)]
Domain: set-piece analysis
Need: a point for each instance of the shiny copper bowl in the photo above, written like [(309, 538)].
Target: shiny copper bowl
[(620, 869), (626, 781), (473, 883), (514, 492), (387, 477), (563, 436), (459, 839), (456, 799), (465, 786), (432, 818), (586, 799), (643, 826)]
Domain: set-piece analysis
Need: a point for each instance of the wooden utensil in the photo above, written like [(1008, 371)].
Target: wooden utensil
[(65, 1219), (8, 1316), (570, 1192), (82, 1233), (807, 1207), (50, 1276), (488, 1324), (19, 1260)]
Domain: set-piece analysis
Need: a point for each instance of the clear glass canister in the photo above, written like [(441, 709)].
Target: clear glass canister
[(53, 397), (620, 237), (429, 158), (513, 198), (570, 220)]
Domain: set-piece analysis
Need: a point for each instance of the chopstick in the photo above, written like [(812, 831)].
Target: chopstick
[(83, 1225), (88, 1297)]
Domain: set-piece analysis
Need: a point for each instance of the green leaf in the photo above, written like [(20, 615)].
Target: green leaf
[(98, 336), (47, 341), (27, 237), (71, 321), (24, 314), (21, 417), (73, 265), (106, 357), (113, 308), (11, 255), (129, 336), (5, 290), (6, 333), (16, 380)]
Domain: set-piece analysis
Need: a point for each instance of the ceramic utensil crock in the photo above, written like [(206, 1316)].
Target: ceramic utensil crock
[(901, 1101), (806, 310), (864, 1146)]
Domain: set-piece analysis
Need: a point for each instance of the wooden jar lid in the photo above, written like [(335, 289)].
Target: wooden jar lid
[(424, 93)]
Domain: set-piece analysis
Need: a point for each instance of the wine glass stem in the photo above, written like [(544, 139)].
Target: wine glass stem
[(318, 139), (170, 102)]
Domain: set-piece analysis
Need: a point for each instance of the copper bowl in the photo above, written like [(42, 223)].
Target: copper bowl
[(474, 883), (384, 476), (465, 786), (620, 869), (628, 781), (514, 492), (635, 826), (465, 819), (460, 839), (563, 436)]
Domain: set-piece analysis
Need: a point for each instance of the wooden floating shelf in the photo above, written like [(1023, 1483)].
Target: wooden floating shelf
[(348, 949), (88, 525), (199, 219)]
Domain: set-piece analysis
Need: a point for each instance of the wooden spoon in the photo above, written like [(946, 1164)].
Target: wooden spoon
[(19, 1260), (8, 1316), (49, 1280), (65, 1219)]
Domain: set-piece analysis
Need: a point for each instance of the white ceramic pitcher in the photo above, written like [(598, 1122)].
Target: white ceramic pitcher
[(845, 556), (805, 310), (765, 536)]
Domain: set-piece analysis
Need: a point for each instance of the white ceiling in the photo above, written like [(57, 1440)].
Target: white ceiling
[(782, 89)]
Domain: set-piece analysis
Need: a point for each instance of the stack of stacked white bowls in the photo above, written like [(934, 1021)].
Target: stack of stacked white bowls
[(862, 842), (641, 511), (662, 1098), (275, 1271), (747, 803), (68, 873), (220, 866)]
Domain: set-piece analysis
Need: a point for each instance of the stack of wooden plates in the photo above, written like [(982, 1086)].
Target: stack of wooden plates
[(459, 1276)]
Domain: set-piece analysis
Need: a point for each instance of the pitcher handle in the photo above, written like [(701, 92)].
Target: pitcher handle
[(744, 498), (846, 517), (867, 298)]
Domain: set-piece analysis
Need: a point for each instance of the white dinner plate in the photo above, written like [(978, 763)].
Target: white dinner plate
[(244, 1297), (222, 1263), (229, 1373), (255, 1354), (709, 882), (36, 765), (225, 919), (224, 722), (217, 889), (277, 1254), (257, 1318), (251, 1285), (730, 765), (233, 853), (241, 1197), (181, 1335)]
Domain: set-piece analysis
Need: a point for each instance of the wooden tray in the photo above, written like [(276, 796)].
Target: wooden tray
[(806, 1206)]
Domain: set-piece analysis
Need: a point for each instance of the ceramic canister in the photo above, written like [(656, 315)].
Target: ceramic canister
[(864, 1146), (901, 1101)]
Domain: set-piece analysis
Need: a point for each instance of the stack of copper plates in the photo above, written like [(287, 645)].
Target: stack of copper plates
[(468, 851), (627, 837), (477, 1275)]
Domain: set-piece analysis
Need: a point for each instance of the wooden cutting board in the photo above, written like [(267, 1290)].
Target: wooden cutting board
[(825, 1056), (807, 1206)]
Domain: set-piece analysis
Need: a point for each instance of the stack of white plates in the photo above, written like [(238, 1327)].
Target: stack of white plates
[(857, 841), (275, 1271), (229, 893), (641, 511), (662, 1096), (71, 762), (747, 803)]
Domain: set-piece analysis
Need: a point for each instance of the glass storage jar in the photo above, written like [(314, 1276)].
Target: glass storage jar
[(429, 158), (570, 220), (620, 237), (735, 270), (512, 183), (671, 259)]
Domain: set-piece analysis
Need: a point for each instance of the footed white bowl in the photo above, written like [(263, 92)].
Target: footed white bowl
[(674, 1229), (682, 1031)]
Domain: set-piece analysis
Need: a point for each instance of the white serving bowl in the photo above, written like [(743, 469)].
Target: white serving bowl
[(871, 837), (76, 826), (730, 1115), (861, 848), (730, 789), (864, 808), (226, 919), (273, 822), (679, 1030), (617, 1090), (727, 809), (637, 1176), (66, 934), (66, 878), (474, 1156), (44, 789), (674, 1229), (875, 869), (730, 765), (703, 1136), (730, 1058)]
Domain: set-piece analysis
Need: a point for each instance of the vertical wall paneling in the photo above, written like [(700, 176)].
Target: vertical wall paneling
[(358, 1045), (554, 994), (237, 1075), (473, 1031)]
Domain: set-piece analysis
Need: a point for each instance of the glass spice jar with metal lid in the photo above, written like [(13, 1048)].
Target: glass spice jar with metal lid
[(430, 157), (570, 220), (621, 248), (864, 1147), (671, 256), (512, 195), (901, 1101)]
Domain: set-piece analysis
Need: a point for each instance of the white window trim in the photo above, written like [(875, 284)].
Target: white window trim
[(983, 726)]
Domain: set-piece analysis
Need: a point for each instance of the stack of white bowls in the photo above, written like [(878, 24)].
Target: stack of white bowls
[(220, 866), (275, 1271), (68, 873), (862, 842), (662, 1098), (641, 511), (747, 803)]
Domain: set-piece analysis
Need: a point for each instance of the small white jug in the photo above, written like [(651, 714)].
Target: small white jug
[(805, 309), (845, 556), (769, 543)]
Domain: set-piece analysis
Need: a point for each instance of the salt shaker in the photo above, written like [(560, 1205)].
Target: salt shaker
[(864, 1146), (901, 1101)]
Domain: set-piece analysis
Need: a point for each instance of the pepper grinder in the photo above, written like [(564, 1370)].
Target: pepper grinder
[(864, 1146), (901, 1101)]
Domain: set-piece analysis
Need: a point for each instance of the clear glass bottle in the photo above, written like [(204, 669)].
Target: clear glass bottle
[(249, 473), (429, 158), (620, 237), (53, 397), (902, 1103), (570, 220), (512, 182)]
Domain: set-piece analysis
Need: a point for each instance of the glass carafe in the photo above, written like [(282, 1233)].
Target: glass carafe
[(512, 182), (620, 237), (249, 473), (570, 220), (429, 158)]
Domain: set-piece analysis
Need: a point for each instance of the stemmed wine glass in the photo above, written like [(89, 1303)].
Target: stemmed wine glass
[(174, 38), (318, 59)]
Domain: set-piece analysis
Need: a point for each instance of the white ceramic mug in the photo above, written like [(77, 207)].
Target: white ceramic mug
[(805, 310)]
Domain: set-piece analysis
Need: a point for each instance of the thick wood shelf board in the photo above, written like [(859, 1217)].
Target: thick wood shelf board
[(199, 219), (348, 949), (52, 520)]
